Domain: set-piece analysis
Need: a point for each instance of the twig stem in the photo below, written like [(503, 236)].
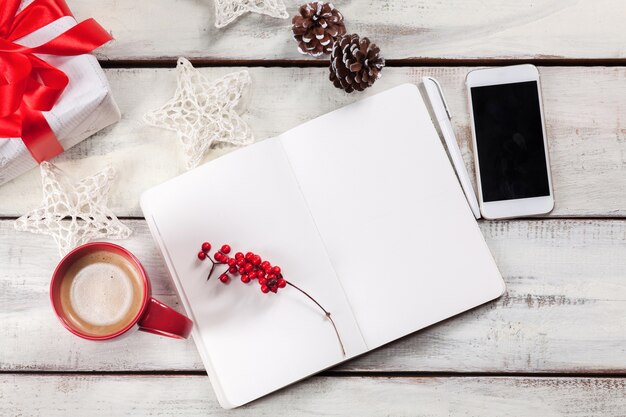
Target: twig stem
[(327, 313), (213, 263)]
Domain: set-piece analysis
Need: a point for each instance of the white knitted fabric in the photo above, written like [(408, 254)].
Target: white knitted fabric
[(73, 212), (226, 11), (203, 111)]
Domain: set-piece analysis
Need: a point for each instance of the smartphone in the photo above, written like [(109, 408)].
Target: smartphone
[(510, 145)]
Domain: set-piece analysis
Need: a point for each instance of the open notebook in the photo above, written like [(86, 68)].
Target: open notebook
[(360, 207)]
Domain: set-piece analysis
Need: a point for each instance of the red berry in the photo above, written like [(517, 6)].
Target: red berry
[(276, 270), (252, 274), (232, 269), (267, 268), (282, 283), (264, 264), (274, 289), (225, 249), (271, 276), (239, 255), (245, 279), (241, 262), (264, 289), (256, 260), (262, 281), (224, 278), (218, 257), (201, 256), (206, 246), (248, 267), (232, 262), (249, 256)]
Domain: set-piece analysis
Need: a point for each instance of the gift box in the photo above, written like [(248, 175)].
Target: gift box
[(54, 93)]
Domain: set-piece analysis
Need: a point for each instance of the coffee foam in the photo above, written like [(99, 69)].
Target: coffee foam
[(101, 293)]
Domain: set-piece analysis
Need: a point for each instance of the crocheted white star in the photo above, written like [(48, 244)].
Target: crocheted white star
[(203, 111), (226, 11), (73, 212)]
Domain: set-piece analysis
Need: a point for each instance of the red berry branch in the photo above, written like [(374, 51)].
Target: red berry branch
[(252, 267)]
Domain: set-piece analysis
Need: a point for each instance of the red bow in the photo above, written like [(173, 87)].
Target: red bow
[(28, 84)]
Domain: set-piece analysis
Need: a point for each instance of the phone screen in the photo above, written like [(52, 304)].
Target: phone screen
[(509, 141)]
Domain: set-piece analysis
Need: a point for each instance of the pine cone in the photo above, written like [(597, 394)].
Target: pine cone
[(317, 27), (355, 64)]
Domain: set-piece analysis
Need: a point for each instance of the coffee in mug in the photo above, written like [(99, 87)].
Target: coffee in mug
[(100, 291)]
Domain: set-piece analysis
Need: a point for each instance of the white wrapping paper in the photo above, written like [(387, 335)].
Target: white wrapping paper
[(85, 107)]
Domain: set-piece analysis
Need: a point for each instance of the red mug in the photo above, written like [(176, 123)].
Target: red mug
[(153, 316)]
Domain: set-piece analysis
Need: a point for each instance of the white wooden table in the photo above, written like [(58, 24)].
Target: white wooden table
[(554, 344)]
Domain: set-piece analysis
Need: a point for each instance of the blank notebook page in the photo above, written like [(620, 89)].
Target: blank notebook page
[(391, 213), (251, 343)]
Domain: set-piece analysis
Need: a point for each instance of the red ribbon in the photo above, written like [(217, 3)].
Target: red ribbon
[(28, 84)]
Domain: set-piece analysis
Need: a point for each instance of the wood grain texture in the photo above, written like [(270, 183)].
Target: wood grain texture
[(55, 395), (583, 106), (456, 29), (563, 310)]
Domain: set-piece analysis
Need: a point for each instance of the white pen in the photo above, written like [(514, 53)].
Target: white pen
[(442, 114)]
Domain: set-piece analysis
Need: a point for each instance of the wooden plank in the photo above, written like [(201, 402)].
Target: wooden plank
[(130, 395), (563, 310), (456, 29), (583, 113)]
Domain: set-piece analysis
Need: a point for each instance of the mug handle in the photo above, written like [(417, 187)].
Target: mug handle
[(164, 320)]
